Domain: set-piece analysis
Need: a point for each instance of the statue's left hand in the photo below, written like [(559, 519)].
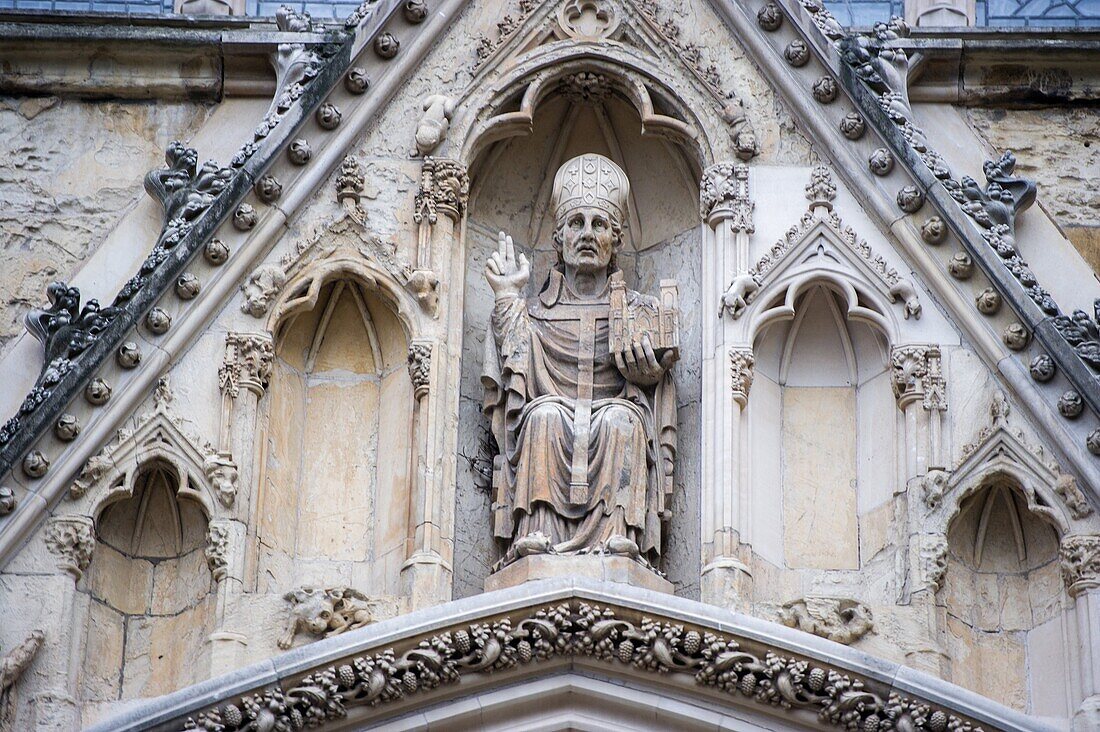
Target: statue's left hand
[(639, 365)]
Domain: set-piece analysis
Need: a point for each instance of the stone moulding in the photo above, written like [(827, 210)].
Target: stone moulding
[(361, 677), (160, 272)]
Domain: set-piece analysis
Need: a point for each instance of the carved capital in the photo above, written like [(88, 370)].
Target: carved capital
[(933, 560), (420, 366), (1080, 555), (217, 549), (742, 361), (247, 363), (444, 188), (71, 538), (724, 196), (918, 374)]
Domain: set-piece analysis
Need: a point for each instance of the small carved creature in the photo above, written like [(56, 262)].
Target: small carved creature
[(842, 621), (326, 611), (434, 122), (740, 293)]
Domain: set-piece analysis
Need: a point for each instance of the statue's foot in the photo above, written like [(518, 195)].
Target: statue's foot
[(622, 546), (534, 543)]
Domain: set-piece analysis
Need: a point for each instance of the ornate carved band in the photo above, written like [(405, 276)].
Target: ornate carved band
[(724, 195), (248, 358), (444, 188), (71, 538), (581, 629), (1080, 555)]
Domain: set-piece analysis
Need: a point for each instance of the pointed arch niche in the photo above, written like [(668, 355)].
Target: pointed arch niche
[(822, 421), (334, 466), (551, 110), (154, 604)]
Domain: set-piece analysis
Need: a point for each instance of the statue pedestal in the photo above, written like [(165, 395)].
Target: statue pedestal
[(601, 568)]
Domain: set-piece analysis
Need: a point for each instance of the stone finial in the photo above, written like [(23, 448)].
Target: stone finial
[(71, 538), (444, 187), (420, 366), (350, 183), (1080, 557), (742, 362), (248, 359), (836, 619), (918, 374), (724, 196), (821, 191)]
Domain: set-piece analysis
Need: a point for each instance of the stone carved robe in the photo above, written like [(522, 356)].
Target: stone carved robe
[(585, 455)]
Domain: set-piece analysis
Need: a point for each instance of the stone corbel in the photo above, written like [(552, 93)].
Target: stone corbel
[(72, 539), (742, 362), (440, 204)]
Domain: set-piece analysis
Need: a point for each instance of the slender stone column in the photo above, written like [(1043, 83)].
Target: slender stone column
[(727, 215), (921, 393), (71, 539), (440, 210), (1080, 556), (243, 378)]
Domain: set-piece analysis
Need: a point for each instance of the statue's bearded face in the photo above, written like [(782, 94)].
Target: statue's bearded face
[(589, 238)]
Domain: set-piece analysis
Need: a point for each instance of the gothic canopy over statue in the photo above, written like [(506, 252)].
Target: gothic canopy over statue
[(578, 385)]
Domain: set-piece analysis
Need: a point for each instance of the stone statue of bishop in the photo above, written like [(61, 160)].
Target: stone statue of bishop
[(584, 416)]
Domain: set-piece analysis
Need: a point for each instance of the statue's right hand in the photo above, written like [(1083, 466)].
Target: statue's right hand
[(507, 273)]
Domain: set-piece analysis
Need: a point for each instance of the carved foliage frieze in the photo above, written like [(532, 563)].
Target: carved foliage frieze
[(580, 629)]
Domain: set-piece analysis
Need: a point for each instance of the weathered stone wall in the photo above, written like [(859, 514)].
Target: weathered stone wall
[(1059, 148), (69, 169)]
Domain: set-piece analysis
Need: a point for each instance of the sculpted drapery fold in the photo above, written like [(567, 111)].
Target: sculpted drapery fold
[(587, 443)]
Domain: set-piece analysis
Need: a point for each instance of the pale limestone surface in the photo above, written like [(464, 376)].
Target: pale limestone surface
[(332, 485)]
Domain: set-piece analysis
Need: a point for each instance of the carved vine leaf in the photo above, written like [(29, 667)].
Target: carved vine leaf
[(576, 629)]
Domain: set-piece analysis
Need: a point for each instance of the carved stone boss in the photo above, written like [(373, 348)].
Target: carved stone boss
[(578, 386)]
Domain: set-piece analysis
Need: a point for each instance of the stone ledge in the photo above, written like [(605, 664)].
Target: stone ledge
[(592, 566)]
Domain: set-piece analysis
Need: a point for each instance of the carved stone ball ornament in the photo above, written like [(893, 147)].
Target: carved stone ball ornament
[(825, 89), (269, 189), (797, 53), (387, 45), (933, 231), (158, 321), (1092, 442), (7, 500), (35, 464), (852, 126), (770, 17), (128, 355), (244, 218), (97, 392), (356, 80), (1042, 368), (67, 428), (299, 152), (881, 161), (329, 116), (988, 301), (1016, 336), (910, 199), (1070, 405), (415, 11), (745, 144), (216, 252), (961, 266), (188, 286)]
